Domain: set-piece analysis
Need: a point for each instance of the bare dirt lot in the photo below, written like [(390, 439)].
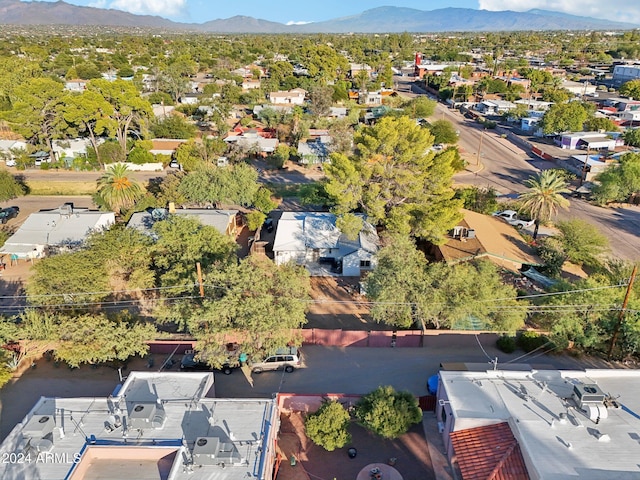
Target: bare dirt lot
[(338, 305)]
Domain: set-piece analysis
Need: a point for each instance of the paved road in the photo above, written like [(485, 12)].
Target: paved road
[(506, 166), (329, 370)]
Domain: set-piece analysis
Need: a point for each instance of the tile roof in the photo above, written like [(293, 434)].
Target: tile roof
[(489, 453)]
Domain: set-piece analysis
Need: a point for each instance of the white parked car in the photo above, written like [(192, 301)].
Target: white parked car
[(512, 218), (10, 163), (287, 359)]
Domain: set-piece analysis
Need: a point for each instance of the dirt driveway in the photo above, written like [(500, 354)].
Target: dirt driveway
[(338, 305)]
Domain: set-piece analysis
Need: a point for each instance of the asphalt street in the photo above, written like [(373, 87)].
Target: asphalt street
[(354, 370)]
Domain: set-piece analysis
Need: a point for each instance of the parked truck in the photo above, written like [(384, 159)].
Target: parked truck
[(512, 218)]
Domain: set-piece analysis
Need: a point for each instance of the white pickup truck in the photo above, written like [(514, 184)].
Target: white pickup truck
[(512, 218)]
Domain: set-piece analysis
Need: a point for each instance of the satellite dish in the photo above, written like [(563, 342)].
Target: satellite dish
[(159, 214)]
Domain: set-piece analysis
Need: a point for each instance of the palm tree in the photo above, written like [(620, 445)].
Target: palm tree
[(544, 196), (116, 191)]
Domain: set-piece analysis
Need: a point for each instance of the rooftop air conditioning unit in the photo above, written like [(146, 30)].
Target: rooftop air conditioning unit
[(146, 415)]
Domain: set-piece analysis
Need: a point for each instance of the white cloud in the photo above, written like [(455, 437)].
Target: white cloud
[(617, 10), (300, 22), (99, 4), (164, 8)]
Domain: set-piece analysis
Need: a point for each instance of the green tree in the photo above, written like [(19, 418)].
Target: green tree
[(10, 187), (88, 112), (631, 89), (551, 252), (420, 107), (544, 197), (37, 111), (262, 301), (443, 131), (564, 117), (397, 283), (388, 413), (236, 184), (595, 124), (255, 220), (479, 199), (632, 137), (583, 314), (130, 111), (263, 200), (469, 295), (116, 190), (140, 154), (619, 181), (321, 100), (181, 243), (396, 181), (173, 126), (583, 243), (328, 426), (68, 278), (96, 338)]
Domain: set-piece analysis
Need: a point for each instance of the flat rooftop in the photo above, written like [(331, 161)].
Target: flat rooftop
[(158, 426), (558, 439)]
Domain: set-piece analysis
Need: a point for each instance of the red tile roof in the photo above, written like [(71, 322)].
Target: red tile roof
[(489, 453)]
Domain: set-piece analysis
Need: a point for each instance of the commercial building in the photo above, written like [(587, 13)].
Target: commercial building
[(156, 426), (545, 424)]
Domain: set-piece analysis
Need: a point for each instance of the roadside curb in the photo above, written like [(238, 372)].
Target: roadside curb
[(467, 171)]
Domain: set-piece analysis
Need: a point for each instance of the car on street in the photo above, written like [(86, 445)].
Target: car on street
[(189, 363), (268, 224), (8, 213), (513, 218), (287, 359)]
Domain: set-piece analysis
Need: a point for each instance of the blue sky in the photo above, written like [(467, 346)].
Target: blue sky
[(289, 11)]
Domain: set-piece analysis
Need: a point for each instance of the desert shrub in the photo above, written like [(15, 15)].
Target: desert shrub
[(530, 341), (506, 344), (328, 426), (387, 412)]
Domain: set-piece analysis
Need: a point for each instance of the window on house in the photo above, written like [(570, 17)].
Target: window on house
[(365, 263)]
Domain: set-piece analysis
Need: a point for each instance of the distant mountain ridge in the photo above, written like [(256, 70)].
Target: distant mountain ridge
[(376, 20)]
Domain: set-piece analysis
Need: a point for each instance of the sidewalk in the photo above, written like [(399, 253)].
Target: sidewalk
[(439, 461)]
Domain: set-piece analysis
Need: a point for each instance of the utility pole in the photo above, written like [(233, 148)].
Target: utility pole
[(479, 148), (200, 284), (584, 167), (622, 310)]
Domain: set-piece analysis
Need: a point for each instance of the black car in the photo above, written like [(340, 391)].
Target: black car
[(8, 213), (190, 364), (268, 224)]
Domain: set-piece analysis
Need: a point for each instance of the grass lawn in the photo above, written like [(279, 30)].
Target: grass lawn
[(48, 187)]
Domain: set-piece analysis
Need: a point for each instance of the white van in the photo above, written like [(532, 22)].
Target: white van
[(288, 358)]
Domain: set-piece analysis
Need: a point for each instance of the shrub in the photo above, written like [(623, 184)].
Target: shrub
[(328, 426), (530, 341), (553, 255), (387, 412), (506, 344)]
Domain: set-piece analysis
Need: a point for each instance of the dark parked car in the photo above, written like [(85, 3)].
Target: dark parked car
[(8, 213), (190, 364), (268, 224)]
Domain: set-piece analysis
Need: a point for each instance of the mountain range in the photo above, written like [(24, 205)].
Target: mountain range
[(376, 20)]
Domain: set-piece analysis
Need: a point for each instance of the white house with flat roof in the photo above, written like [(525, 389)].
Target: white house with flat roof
[(63, 228), (156, 426), (560, 424)]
